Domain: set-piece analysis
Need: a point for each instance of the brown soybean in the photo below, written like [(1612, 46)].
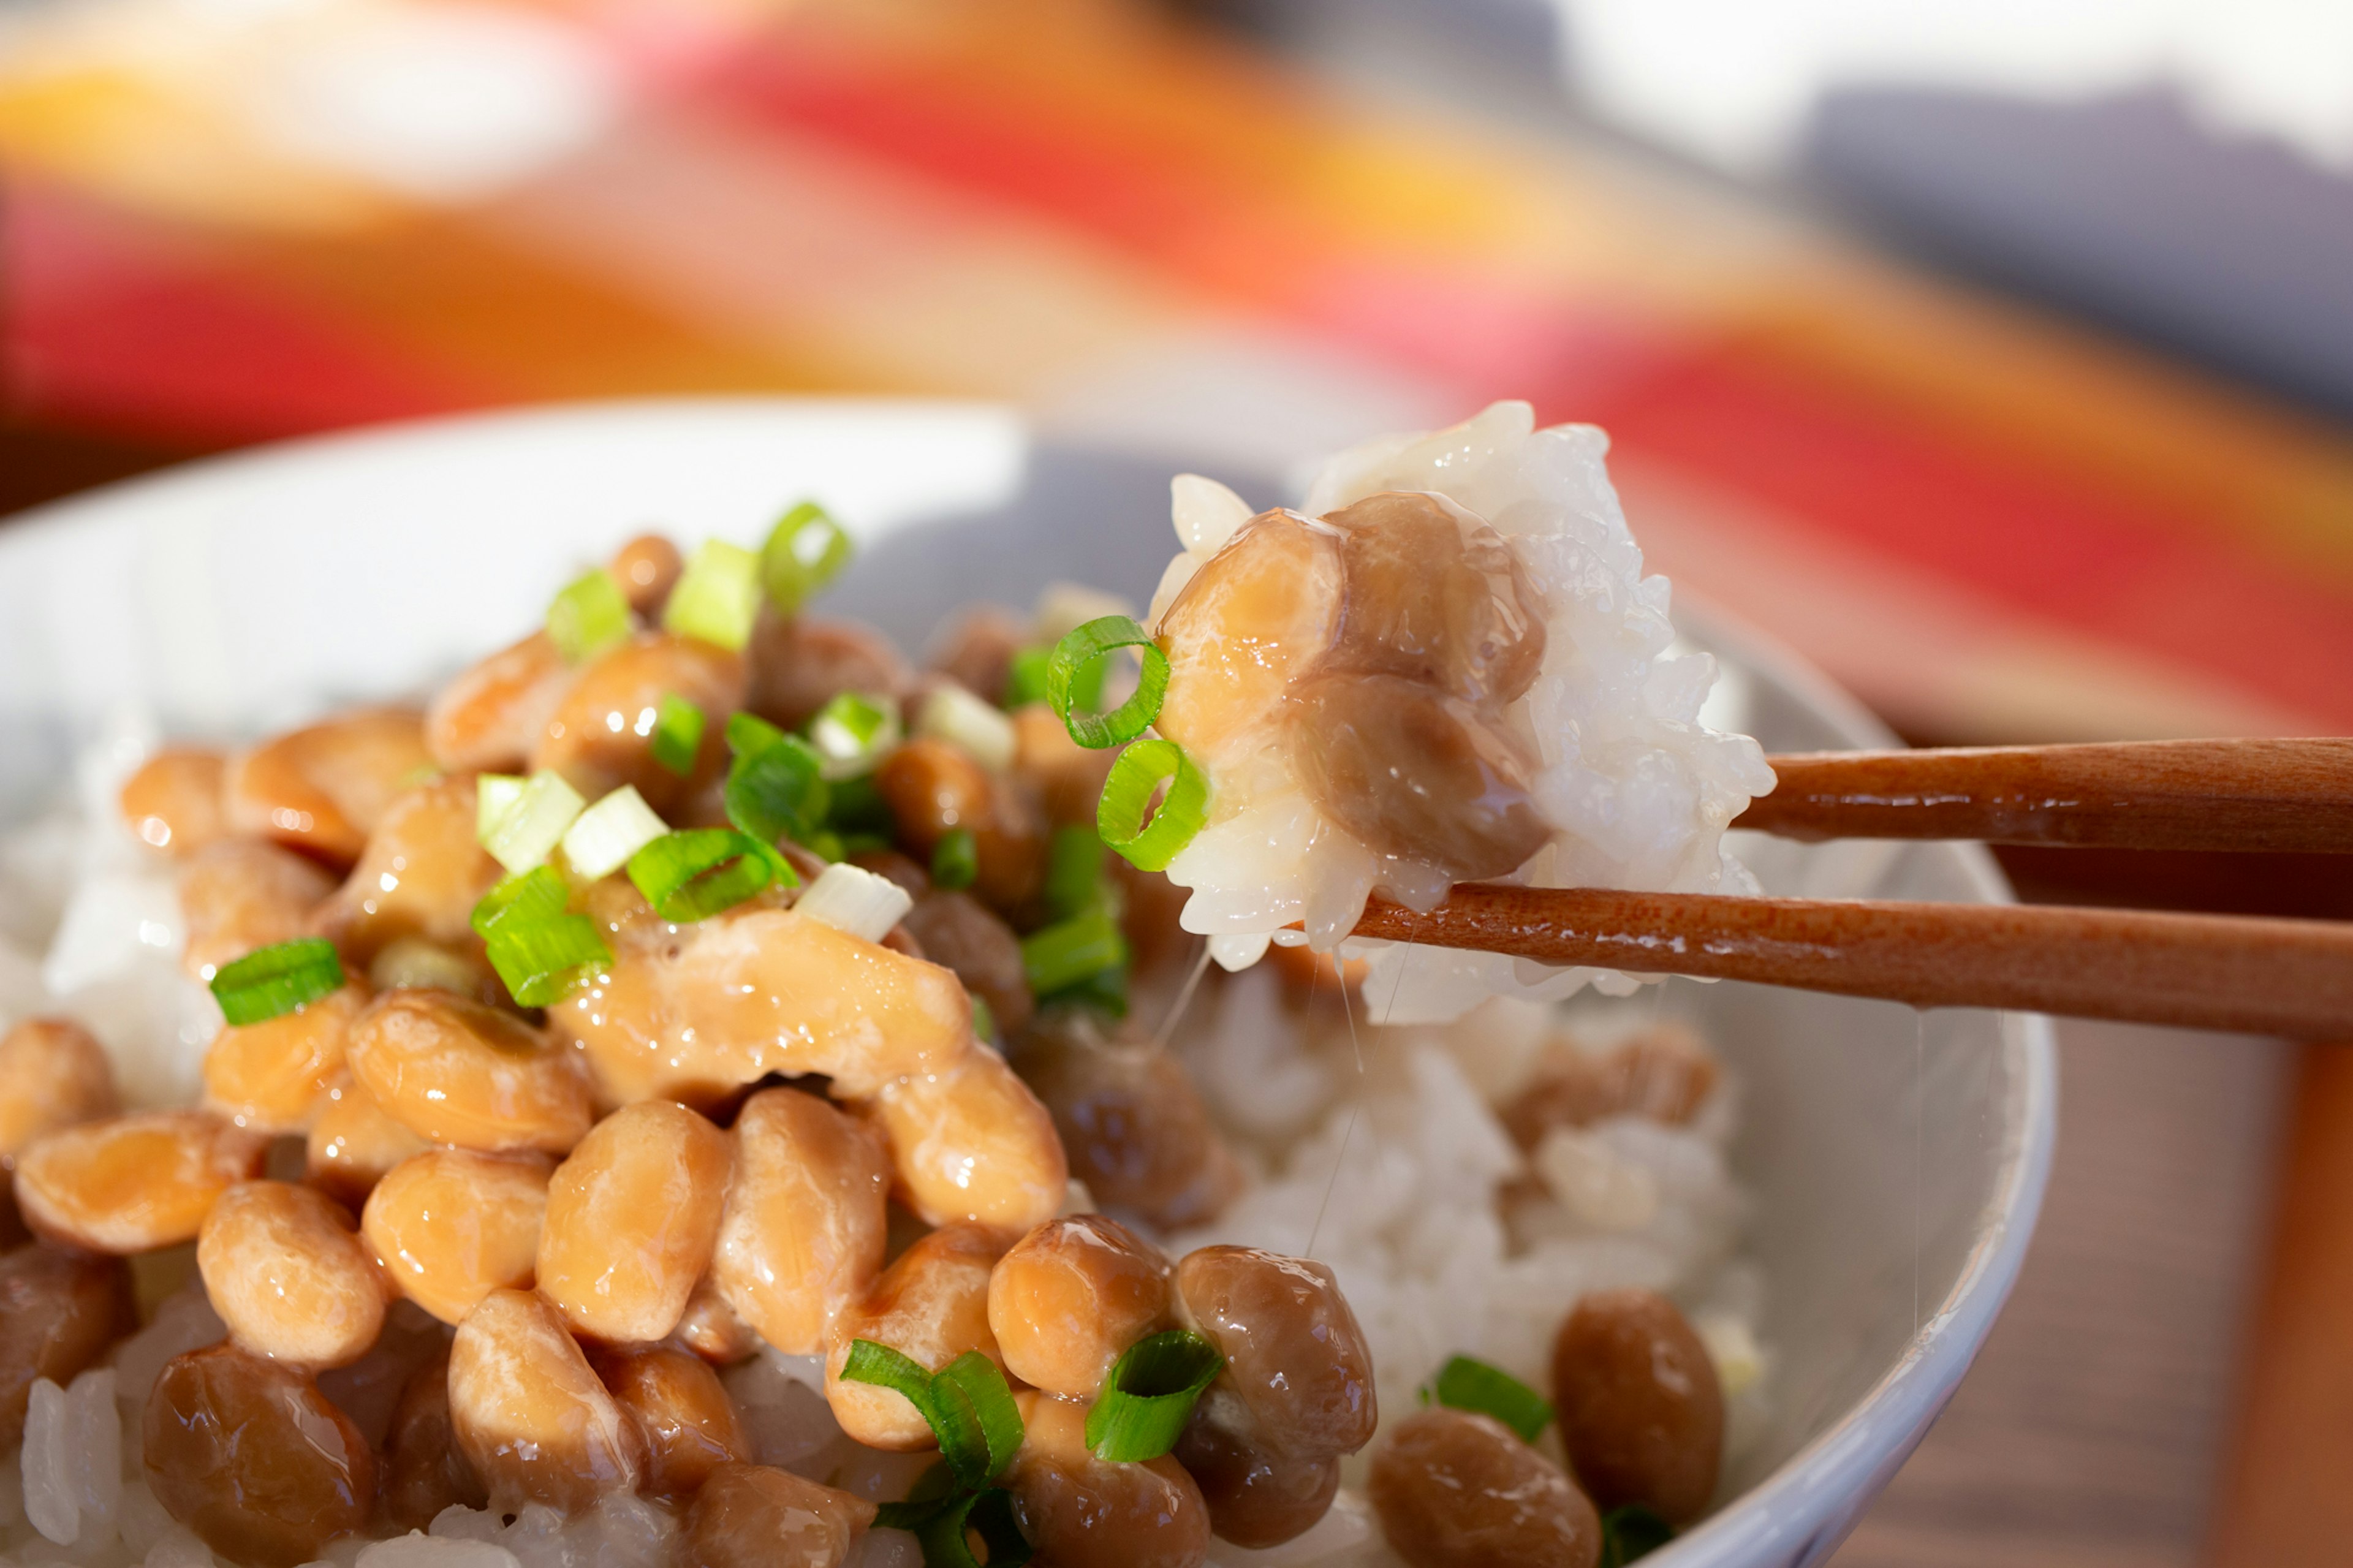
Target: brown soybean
[(959, 934), (275, 1076), (286, 1273), (1135, 1130), (750, 1516), (244, 893), (424, 1469), (53, 1074), (60, 1312), (322, 789), (134, 1183), (456, 1071), (1085, 1512), (647, 568), (685, 1417), (530, 1414), (1256, 1497), (174, 802), (420, 876), (251, 1455), (450, 1226), (931, 1306), (1296, 1358), (970, 1143), (600, 736), (353, 1142), (804, 1226), (1455, 1490), (1069, 1298), (488, 718), (1642, 1415), (632, 1218), (800, 663)]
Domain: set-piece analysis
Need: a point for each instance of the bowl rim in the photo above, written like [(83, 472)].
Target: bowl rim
[(1815, 1494)]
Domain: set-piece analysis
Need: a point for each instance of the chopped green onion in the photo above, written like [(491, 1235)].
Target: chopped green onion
[(1127, 795), (958, 717), (984, 1021), (495, 796), (776, 786), (1629, 1532), (694, 875), (826, 846), (602, 838), (804, 552), (678, 733), (852, 899), (1084, 647), (533, 826), (853, 845), (588, 616), (718, 596), (272, 981), (1150, 1395), (1025, 682), (851, 732), (748, 732), (967, 1404), (858, 807), (934, 1490), (1464, 1383), (955, 860), (1068, 952), (1074, 872), (1106, 991), (945, 1537), (537, 894), (541, 960)]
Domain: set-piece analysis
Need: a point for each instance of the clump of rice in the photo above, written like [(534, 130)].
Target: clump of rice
[(1637, 790)]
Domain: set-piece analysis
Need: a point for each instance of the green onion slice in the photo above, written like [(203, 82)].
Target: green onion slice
[(678, 733), (589, 616), (541, 959), (1150, 1395), (1464, 1383), (946, 1536), (776, 786), (1629, 1532), (529, 829), (494, 795), (975, 1383), (1074, 867), (934, 1489), (718, 595), (694, 875), (1127, 795), (1068, 952), (984, 1020), (955, 860), (804, 551), (1106, 991), (538, 894), (852, 732), (1107, 634), (967, 1404), (272, 981)]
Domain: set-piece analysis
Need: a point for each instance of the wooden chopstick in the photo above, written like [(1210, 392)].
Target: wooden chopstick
[(2264, 976), (2274, 796)]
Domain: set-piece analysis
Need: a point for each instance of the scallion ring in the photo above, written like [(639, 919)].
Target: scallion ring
[(776, 786), (1466, 1384), (538, 894), (678, 733), (270, 981), (695, 874), (541, 959), (588, 616), (1082, 647), (803, 552), (1069, 951), (1150, 1395), (967, 1404), (1127, 796), (945, 1537), (955, 860)]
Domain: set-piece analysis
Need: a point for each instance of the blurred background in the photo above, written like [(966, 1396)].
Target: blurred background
[(1996, 354)]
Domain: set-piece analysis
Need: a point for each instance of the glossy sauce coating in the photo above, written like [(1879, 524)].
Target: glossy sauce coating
[(710, 1327), (275, 1076), (174, 802), (971, 1142), (286, 1273), (750, 1516), (1081, 1512), (1069, 1298), (457, 1071), (693, 1013), (450, 1226), (600, 736), (1257, 1497), (1296, 1358), (934, 787), (632, 1216), (53, 1074), (1255, 617), (799, 663), (932, 1305), (803, 1227), (322, 789), (251, 1455), (1135, 1130), (243, 893), (1641, 1415), (961, 934), (424, 1469), (1454, 1490), (685, 1417), (134, 1183), (531, 1416), (488, 718), (420, 876), (60, 1311), (353, 1142)]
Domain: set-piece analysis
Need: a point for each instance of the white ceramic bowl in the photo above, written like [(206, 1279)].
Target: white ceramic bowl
[(1897, 1159)]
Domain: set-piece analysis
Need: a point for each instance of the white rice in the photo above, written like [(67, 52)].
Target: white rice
[(1637, 789)]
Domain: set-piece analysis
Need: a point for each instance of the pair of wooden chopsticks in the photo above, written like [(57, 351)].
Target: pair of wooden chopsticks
[(2289, 977)]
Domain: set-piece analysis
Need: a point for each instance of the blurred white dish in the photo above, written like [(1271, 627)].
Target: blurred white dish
[(1897, 1161)]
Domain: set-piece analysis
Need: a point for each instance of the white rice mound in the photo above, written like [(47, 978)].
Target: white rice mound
[(1638, 790)]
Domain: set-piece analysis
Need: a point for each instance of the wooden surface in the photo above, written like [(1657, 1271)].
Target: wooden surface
[(2091, 1431), (2276, 976), (2287, 1493), (2275, 797)]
